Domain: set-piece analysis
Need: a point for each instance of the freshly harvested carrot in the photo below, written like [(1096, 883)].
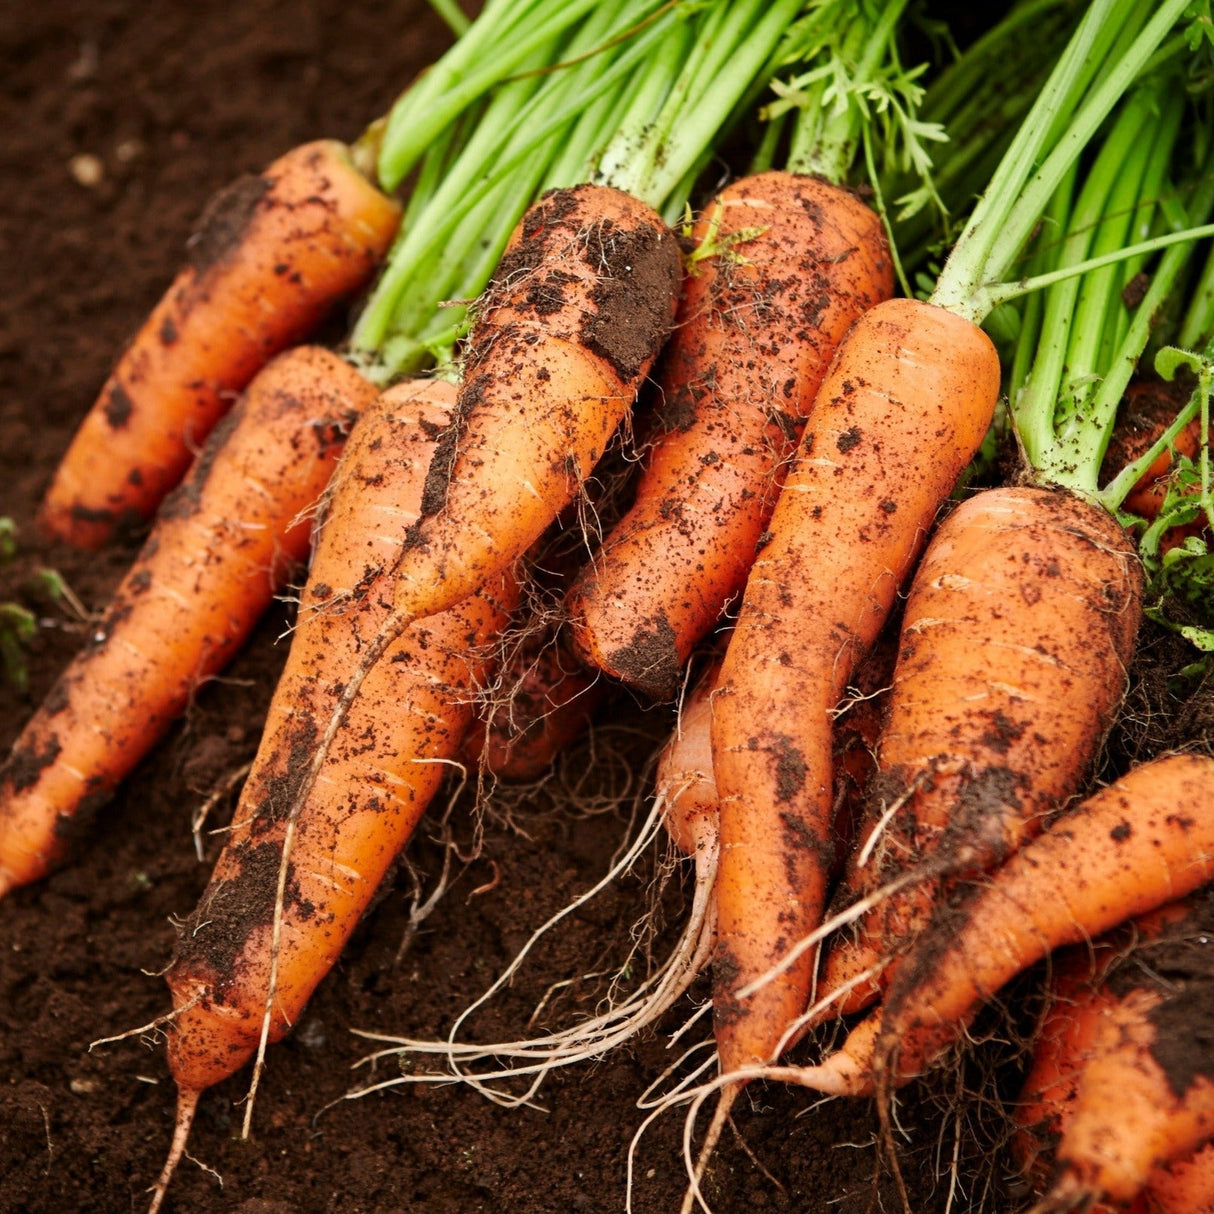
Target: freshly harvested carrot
[(544, 701), (1128, 1011), (272, 256), (1131, 847), (294, 877), (1017, 633), (581, 304), (855, 509), (789, 261), (221, 547)]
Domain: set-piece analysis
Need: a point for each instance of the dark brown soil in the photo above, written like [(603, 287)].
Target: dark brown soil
[(175, 101)]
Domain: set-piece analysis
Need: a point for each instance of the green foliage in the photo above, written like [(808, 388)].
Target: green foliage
[(1180, 592)]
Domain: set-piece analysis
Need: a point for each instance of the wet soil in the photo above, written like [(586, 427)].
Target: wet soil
[(118, 121)]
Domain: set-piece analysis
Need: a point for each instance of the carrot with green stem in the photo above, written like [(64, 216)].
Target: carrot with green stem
[(783, 262), (295, 876), (222, 547), (902, 410), (978, 754), (564, 289), (273, 254)]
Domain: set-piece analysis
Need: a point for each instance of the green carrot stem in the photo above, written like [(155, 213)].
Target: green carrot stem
[(1020, 190)]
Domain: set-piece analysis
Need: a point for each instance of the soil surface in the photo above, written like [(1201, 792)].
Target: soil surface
[(117, 122)]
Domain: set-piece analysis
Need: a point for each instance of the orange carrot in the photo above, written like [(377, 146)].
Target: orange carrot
[(583, 300), (684, 776), (1017, 632), (273, 254), (1135, 845), (859, 498), (545, 702), (222, 546), (1149, 407), (796, 260), (1150, 986), (294, 878)]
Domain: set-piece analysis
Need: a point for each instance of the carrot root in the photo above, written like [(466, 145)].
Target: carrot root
[(273, 254)]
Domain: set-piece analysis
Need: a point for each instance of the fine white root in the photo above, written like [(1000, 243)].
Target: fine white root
[(535, 1057)]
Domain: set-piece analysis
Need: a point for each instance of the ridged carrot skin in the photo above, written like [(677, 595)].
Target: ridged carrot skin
[(797, 261), (384, 766), (583, 300), (274, 253), (1135, 845), (900, 413), (220, 549), (1017, 633)]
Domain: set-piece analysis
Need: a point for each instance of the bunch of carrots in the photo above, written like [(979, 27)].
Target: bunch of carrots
[(810, 426)]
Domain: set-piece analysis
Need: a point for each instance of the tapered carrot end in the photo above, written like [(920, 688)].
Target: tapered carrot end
[(725, 1104), (7, 881), (1068, 1193), (187, 1105)]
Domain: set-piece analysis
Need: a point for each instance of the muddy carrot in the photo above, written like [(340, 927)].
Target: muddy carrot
[(293, 879), (1017, 633), (1124, 1018), (222, 546), (272, 256), (787, 262), (1141, 842)]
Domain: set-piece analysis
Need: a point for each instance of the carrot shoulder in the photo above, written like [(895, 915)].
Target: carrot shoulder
[(900, 413), (796, 260), (222, 546), (582, 302), (1017, 632), (273, 254)]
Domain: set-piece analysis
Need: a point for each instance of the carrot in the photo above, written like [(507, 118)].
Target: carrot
[(222, 546), (786, 263), (545, 700), (294, 878), (852, 516), (581, 304), (1017, 632), (1148, 409), (1129, 848), (1132, 1018), (273, 254)]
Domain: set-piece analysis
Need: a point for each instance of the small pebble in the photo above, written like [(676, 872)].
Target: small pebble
[(87, 169)]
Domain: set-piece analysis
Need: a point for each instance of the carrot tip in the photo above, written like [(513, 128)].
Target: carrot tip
[(187, 1105)]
